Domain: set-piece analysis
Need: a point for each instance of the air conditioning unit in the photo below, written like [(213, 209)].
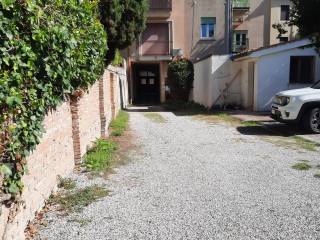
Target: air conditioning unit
[(177, 52)]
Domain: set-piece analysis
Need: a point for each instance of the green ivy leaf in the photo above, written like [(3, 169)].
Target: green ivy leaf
[(13, 100), (13, 188), (5, 170), (7, 3)]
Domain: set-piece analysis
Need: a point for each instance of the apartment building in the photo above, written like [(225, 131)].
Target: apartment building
[(279, 13), (253, 22), (198, 29), (185, 28), (264, 64)]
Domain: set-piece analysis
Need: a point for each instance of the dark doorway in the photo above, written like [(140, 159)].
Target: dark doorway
[(147, 80)]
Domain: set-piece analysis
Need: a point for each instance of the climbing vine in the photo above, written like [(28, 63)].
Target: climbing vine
[(48, 50)]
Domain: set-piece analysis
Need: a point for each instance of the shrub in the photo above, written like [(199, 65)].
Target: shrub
[(49, 49), (180, 79), (117, 61)]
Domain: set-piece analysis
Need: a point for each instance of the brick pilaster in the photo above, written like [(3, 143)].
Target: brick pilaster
[(103, 120), (113, 103), (74, 106)]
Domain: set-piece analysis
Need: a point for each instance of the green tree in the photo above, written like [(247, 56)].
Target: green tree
[(305, 15), (123, 21)]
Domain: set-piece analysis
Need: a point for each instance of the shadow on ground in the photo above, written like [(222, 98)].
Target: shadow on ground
[(272, 129), (146, 108), (262, 124)]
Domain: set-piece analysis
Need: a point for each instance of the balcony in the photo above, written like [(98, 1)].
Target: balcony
[(243, 5), (156, 40), (155, 48), (161, 5), (237, 20)]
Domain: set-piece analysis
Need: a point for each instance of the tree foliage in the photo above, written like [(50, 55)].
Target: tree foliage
[(180, 77), (123, 21), (305, 15), (48, 50)]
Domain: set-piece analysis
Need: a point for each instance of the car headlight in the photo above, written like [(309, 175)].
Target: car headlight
[(282, 100)]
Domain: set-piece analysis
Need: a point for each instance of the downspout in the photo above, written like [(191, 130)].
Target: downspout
[(229, 17), (194, 3)]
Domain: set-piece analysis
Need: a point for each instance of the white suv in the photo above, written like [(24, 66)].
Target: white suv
[(299, 106)]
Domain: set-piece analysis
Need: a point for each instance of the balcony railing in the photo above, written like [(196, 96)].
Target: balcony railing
[(240, 47), (241, 4), (160, 5)]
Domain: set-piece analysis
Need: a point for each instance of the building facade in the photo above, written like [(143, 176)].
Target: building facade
[(198, 30), (182, 28), (253, 22)]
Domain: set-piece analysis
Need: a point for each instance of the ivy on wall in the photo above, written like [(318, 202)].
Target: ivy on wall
[(48, 50)]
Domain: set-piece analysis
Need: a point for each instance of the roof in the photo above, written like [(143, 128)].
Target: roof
[(259, 52), (205, 49)]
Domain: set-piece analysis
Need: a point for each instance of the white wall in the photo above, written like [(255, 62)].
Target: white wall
[(274, 73), (211, 77), (271, 75), (202, 78)]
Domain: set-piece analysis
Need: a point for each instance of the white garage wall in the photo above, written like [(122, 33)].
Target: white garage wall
[(274, 74), (202, 76), (212, 76)]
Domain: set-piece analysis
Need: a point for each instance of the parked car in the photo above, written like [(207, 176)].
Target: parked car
[(299, 106)]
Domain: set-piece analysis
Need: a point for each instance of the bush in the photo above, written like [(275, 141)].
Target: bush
[(180, 79), (49, 49), (118, 60)]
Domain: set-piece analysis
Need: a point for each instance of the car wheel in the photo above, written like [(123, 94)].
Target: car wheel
[(312, 120)]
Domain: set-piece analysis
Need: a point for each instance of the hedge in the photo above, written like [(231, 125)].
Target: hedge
[(180, 79)]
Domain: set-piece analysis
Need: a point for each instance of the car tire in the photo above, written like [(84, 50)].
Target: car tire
[(311, 120)]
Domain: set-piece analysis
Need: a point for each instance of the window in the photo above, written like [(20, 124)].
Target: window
[(208, 25), (302, 69), (283, 39), (285, 12), (240, 41)]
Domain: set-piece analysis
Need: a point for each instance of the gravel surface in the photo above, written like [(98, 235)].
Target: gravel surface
[(194, 180)]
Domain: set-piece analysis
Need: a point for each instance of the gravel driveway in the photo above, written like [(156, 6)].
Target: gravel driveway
[(194, 180)]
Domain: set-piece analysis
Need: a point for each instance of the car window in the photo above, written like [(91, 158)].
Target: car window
[(316, 85)]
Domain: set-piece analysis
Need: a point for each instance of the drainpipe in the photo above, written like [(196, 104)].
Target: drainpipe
[(229, 17), (193, 5)]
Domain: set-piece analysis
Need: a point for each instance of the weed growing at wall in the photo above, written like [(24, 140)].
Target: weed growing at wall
[(48, 50), (120, 124), (100, 157)]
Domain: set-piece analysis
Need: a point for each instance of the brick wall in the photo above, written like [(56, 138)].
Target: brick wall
[(89, 118), (70, 130)]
